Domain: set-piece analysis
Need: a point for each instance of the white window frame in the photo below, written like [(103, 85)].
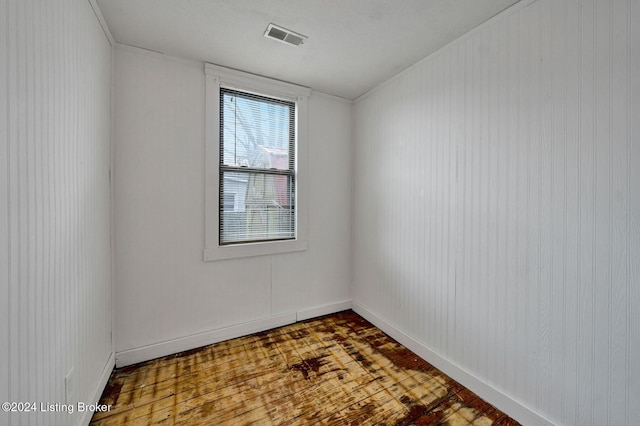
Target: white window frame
[(217, 77)]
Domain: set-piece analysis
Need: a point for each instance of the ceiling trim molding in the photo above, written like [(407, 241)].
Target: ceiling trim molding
[(102, 21), (158, 55), (335, 98), (248, 80)]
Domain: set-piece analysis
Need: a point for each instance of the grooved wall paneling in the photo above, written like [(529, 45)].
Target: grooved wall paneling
[(4, 203), (497, 206), (165, 292), (55, 232)]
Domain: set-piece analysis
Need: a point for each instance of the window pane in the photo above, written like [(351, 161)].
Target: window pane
[(260, 207), (256, 132)]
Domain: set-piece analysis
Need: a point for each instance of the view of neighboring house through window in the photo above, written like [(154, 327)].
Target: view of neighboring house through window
[(257, 168)]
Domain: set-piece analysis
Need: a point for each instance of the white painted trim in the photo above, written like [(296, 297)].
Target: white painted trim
[(103, 22), (211, 175), (216, 77), (510, 406), (505, 13), (248, 81), (319, 311), (102, 383), (254, 249), (145, 353), (158, 55), (334, 98)]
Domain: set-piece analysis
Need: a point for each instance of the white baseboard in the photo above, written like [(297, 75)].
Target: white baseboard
[(510, 406), (323, 310), (97, 392), (145, 353)]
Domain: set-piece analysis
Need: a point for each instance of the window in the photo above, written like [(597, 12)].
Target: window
[(257, 159), (255, 165)]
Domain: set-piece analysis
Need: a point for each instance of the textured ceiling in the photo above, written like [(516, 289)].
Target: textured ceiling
[(353, 45)]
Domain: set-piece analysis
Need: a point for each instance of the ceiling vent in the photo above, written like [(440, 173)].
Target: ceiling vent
[(284, 35)]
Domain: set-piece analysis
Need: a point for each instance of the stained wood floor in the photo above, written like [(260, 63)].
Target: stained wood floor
[(334, 370)]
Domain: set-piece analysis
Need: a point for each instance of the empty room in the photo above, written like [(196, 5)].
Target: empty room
[(356, 212)]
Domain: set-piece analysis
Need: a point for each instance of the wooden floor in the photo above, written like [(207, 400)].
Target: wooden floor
[(334, 370)]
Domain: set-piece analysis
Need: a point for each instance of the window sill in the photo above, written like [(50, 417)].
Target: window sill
[(253, 249)]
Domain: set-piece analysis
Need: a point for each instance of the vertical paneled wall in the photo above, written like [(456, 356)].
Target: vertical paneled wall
[(497, 206), (4, 203), (164, 291), (54, 157)]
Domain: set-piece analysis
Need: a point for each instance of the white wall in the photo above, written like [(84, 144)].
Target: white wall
[(55, 293), (497, 210), (165, 295), (5, 331)]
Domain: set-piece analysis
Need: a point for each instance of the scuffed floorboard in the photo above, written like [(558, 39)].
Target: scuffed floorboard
[(334, 370)]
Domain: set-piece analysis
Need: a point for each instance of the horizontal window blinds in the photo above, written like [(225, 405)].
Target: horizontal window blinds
[(257, 168)]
